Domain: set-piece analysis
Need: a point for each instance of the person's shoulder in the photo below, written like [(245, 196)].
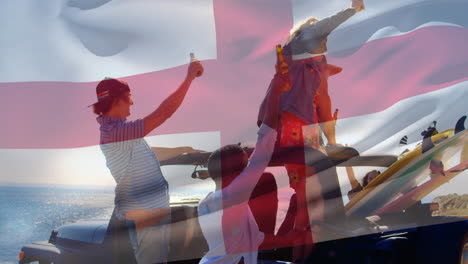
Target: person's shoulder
[(209, 197), (109, 122), (209, 203), (265, 129)]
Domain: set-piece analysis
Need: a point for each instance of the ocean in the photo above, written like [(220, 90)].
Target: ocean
[(30, 213)]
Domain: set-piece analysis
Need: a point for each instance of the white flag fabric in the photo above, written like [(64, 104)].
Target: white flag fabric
[(405, 65)]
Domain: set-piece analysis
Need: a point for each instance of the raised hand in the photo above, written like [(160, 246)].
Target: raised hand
[(195, 68), (358, 5)]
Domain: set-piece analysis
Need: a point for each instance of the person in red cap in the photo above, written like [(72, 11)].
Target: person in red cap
[(142, 193), (306, 111)]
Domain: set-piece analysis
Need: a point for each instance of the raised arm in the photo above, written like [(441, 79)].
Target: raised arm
[(241, 188), (168, 107), (325, 26), (312, 34)]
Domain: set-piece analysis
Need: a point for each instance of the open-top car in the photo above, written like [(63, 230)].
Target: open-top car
[(387, 222)]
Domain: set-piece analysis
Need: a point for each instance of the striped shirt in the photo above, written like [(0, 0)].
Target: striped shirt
[(134, 166)]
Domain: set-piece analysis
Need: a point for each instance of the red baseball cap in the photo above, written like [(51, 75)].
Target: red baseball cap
[(110, 87)]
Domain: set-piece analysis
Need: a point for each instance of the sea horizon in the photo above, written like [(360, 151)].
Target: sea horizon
[(32, 211)]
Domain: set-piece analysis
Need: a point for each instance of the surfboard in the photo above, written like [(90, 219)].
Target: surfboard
[(410, 170), (423, 190)]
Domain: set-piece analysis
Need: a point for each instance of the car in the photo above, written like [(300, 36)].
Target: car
[(387, 222), (107, 241)]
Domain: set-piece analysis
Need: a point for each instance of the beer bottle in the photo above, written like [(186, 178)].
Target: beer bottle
[(281, 66)]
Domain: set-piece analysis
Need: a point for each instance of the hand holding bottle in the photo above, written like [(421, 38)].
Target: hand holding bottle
[(282, 69), (195, 68)]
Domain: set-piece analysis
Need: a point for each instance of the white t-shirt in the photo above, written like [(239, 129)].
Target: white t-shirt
[(243, 237)]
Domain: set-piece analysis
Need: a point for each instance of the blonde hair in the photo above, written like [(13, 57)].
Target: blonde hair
[(296, 30)]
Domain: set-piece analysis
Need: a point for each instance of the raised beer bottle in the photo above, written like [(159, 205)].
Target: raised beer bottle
[(282, 66)]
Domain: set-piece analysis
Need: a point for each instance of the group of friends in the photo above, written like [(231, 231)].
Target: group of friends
[(295, 112)]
